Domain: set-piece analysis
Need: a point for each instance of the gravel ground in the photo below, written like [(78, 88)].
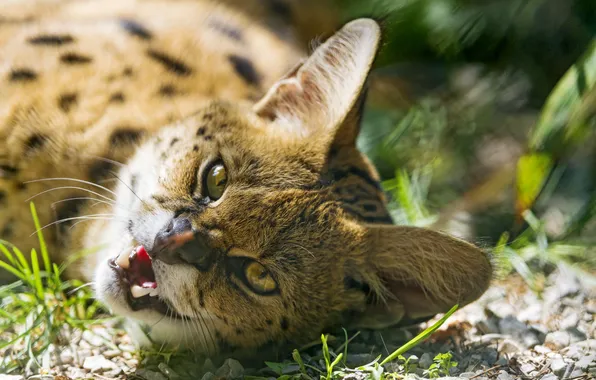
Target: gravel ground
[(510, 333)]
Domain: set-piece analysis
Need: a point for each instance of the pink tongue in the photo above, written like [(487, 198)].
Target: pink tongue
[(148, 284), (144, 259), (142, 254)]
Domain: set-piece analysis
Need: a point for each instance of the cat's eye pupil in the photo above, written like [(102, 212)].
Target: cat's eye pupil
[(216, 181)]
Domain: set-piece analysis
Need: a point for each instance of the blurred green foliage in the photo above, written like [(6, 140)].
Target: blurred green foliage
[(481, 117)]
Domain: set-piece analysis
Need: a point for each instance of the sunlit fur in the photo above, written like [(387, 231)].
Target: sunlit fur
[(300, 199)]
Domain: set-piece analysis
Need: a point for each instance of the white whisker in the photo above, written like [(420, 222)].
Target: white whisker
[(200, 319), (98, 201), (304, 248), (69, 187), (73, 180), (129, 188), (93, 216), (80, 287), (106, 160)]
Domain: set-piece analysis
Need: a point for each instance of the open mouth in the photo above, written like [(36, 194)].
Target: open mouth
[(135, 271)]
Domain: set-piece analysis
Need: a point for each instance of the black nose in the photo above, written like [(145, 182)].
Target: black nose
[(177, 226), (178, 243), (175, 234)]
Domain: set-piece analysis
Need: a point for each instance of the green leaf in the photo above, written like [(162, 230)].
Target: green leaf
[(532, 172), (570, 108), (278, 368)]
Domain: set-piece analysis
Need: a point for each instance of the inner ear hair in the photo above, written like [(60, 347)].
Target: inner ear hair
[(317, 95), (420, 271)]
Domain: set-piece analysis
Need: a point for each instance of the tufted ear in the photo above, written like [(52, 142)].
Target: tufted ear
[(317, 96), (417, 273)]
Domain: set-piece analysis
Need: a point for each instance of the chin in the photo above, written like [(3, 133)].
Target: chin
[(150, 319)]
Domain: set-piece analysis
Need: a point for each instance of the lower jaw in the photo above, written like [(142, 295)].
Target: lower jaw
[(148, 304), (167, 333)]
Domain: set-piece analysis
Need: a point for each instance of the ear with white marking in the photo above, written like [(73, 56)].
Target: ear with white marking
[(317, 96)]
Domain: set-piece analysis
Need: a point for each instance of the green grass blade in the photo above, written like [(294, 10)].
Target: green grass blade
[(42, 243), (22, 260), (22, 335), (336, 361), (36, 274), (13, 270), (419, 338), (7, 253), (76, 256), (405, 196), (11, 288)]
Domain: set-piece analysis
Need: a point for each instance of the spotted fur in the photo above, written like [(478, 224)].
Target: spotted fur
[(110, 124)]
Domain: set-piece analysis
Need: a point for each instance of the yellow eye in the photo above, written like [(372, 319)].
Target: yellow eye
[(216, 181), (258, 278)]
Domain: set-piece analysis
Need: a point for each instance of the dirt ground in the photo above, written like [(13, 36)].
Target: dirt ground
[(510, 333)]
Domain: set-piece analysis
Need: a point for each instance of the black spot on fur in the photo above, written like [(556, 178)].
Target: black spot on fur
[(75, 59), (208, 138), (117, 97), (284, 323), (7, 231), (281, 9), (369, 207), (2, 197), (228, 30), (351, 283), (269, 322), (159, 199), (174, 141), (130, 225), (201, 299), (125, 136), (171, 64), (223, 126), (127, 72), (339, 174), (100, 170), (238, 331), (67, 101), (7, 171), (195, 148), (384, 219), (69, 209), (167, 90), (245, 68), (21, 186), (22, 75), (51, 39), (35, 141), (135, 29), (201, 131)]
